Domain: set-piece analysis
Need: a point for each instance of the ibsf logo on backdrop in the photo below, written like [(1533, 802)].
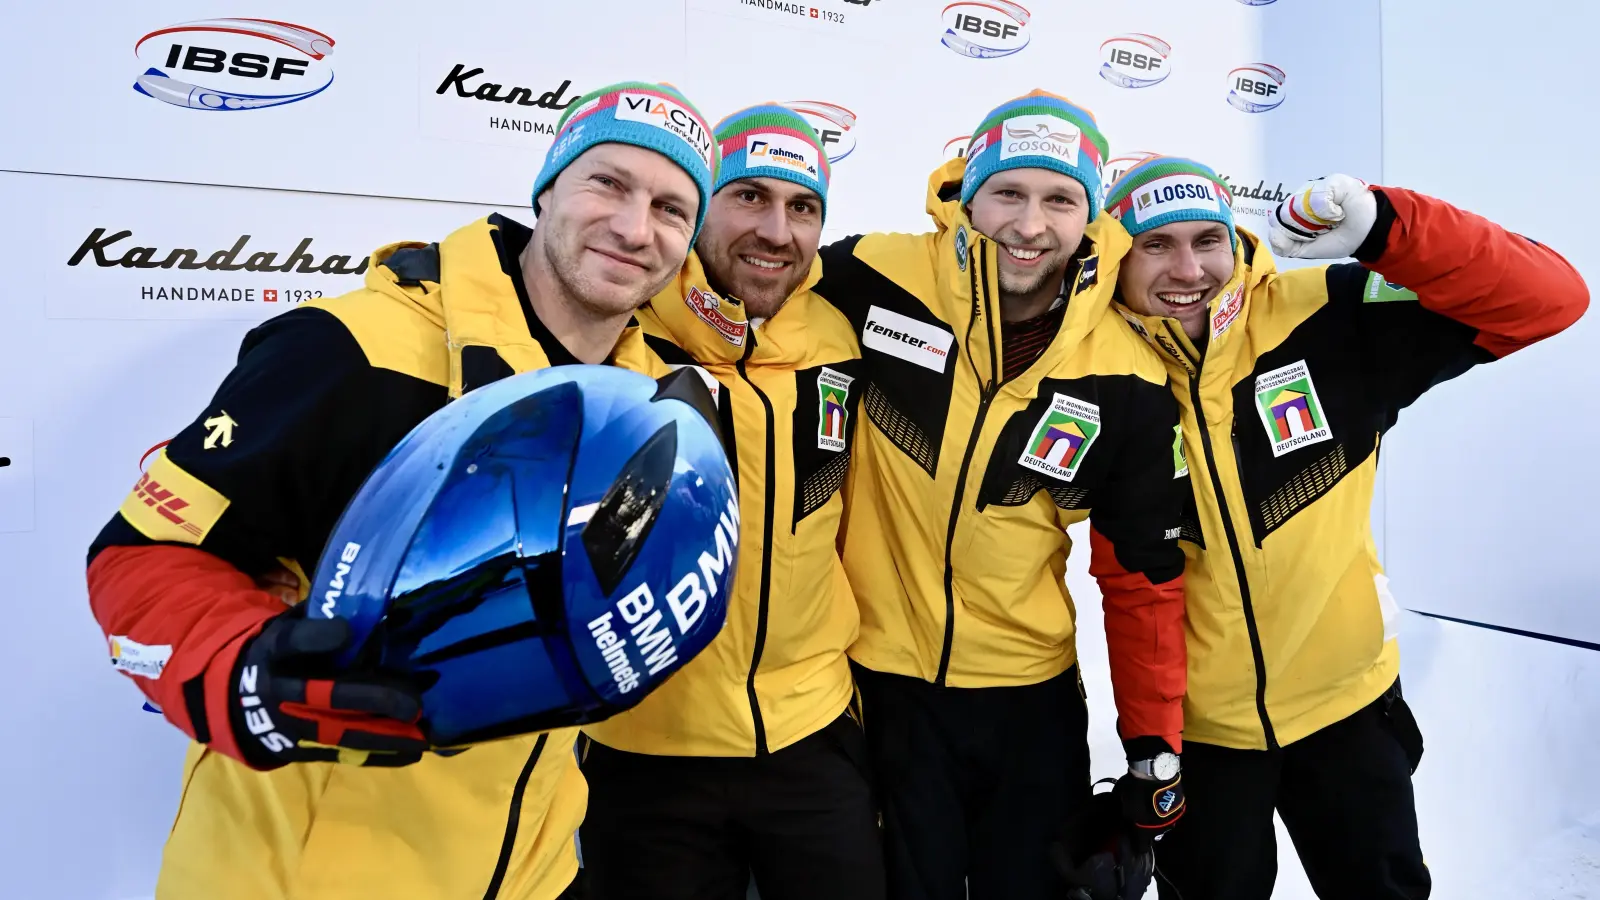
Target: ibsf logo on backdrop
[(1255, 88), (1258, 2), (834, 124), (1118, 166), (986, 29), (1134, 60), (956, 147), (233, 64)]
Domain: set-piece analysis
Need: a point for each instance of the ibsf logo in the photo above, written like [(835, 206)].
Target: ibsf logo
[(956, 147), (1134, 60), (1118, 166), (1255, 88), (1258, 2), (834, 124), (233, 64), (988, 29)]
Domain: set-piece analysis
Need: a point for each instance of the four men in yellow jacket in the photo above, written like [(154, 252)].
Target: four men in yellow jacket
[(1288, 382), (1006, 401), (320, 395), (747, 761)]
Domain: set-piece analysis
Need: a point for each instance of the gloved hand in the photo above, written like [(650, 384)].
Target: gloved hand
[(1325, 219), (1098, 857), (289, 705), (1151, 793)]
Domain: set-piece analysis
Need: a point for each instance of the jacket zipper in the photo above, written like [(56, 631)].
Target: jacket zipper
[(981, 257), (766, 554), (1233, 543), (513, 819)]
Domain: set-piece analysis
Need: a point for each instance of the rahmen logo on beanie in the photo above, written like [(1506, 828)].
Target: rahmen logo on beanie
[(772, 141), (1038, 130), (653, 116), (1166, 189)]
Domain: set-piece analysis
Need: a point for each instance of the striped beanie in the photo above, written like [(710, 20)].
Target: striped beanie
[(1166, 189), (772, 141), (653, 116), (1038, 130)]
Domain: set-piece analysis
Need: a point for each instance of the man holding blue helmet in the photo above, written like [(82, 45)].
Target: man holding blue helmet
[(319, 396), (751, 762)]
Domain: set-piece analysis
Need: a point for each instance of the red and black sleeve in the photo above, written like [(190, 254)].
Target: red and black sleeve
[(1135, 557), (260, 476)]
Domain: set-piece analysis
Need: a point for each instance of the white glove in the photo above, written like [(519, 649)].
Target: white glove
[(1325, 219)]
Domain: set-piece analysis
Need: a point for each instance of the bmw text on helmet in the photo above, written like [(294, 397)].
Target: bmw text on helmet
[(988, 29), (233, 64), (1135, 60), (1255, 88)]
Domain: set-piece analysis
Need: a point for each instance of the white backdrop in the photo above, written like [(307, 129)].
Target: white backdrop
[(103, 356)]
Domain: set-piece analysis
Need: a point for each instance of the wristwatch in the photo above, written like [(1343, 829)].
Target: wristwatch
[(1163, 768)]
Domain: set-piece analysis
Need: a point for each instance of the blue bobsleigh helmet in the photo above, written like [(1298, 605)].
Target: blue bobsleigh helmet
[(543, 552)]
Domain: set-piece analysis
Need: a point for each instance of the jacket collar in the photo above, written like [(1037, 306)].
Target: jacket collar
[(968, 268), (477, 303), (714, 328), (1228, 316)]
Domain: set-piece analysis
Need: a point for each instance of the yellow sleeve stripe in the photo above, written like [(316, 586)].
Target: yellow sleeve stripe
[(169, 504)]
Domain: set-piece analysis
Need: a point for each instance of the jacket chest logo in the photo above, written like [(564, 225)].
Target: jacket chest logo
[(1290, 409), (833, 410), (708, 307), (905, 338), (1062, 438)]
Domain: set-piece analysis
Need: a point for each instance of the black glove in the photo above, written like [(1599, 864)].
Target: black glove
[(1149, 805), (289, 705), (1098, 856)]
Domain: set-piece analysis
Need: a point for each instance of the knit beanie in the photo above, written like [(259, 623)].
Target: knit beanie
[(772, 141), (1166, 189), (1038, 130), (653, 116)]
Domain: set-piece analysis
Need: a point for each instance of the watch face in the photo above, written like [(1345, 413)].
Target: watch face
[(1166, 766)]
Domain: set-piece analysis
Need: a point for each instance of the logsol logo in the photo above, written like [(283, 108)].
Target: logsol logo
[(233, 64), (834, 124), (99, 246), (986, 30)]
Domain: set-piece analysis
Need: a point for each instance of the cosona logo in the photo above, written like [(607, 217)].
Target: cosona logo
[(986, 29), (1255, 88), (1134, 60), (232, 64), (834, 124)]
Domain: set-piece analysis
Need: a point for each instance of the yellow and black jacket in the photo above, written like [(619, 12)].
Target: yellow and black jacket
[(787, 395), (1290, 622), (319, 396), (964, 482)]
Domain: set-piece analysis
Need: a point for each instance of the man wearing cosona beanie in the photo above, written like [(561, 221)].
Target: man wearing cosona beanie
[(1006, 402), (321, 788), (750, 761), (1288, 382)]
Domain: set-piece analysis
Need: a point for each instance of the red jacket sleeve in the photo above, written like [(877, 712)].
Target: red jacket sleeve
[(1512, 290), (1145, 644), (189, 607)]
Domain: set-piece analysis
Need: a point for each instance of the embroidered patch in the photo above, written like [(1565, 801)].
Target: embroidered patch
[(1227, 310), (833, 394), (1379, 290), (1290, 409), (961, 247), (169, 504), (143, 660), (1180, 460), (708, 306), (1062, 438)]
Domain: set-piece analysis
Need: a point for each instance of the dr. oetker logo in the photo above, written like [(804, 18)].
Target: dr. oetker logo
[(234, 64)]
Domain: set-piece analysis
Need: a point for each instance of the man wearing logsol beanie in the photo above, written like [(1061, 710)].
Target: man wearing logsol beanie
[(751, 761), (1005, 402), (1287, 384), (303, 784)]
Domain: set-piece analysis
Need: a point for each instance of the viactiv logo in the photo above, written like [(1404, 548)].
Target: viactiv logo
[(834, 124), (1134, 60), (986, 29), (1255, 88), (233, 64)]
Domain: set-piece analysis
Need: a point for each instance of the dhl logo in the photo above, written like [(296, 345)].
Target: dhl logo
[(164, 502)]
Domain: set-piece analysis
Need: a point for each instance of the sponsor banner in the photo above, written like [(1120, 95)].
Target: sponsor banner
[(514, 99), (876, 20), (986, 29), (16, 474), (143, 251), (233, 65)]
